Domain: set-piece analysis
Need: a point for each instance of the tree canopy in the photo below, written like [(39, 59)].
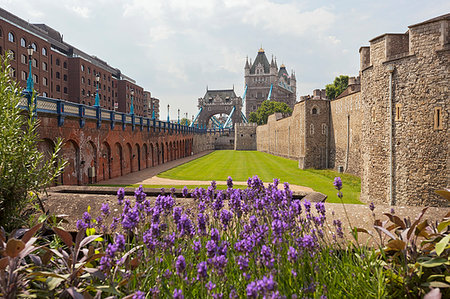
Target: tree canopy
[(339, 85), (267, 108)]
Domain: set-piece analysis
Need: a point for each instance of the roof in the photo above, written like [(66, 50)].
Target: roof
[(260, 59), (222, 93), (283, 73), (439, 18), (351, 89)]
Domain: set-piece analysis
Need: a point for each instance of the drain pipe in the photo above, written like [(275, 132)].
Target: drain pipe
[(348, 143), (391, 69)]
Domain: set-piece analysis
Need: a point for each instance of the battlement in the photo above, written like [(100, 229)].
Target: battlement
[(426, 37)]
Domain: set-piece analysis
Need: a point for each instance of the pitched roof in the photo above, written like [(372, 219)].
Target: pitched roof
[(283, 73), (222, 93), (260, 59)]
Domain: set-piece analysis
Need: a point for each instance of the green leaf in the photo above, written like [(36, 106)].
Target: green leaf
[(443, 225), (438, 284), (442, 244), (436, 262), (54, 282)]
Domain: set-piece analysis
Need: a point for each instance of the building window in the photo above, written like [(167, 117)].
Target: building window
[(324, 129), (82, 67), (58, 75), (23, 42), (89, 70), (12, 72), (23, 75), (65, 77), (44, 81), (57, 61), (33, 45), (44, 94), (44, 66), (311, 129), (58, 88), (65, 64), (1, 32), (35, 79), (44, 51), (23, 59), (82, 80), (11, 37), (398, 112), (35, 63), (89, 82), (314, 111), (12, 55), (65, 89), (438, 123), (82, 92)]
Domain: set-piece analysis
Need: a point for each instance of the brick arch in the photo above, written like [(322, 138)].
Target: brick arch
[(88, 160), (128, 158), (118, 156), (71, 153), (105, 161)]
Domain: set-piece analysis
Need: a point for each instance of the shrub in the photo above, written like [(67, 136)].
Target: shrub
[(23, 168)]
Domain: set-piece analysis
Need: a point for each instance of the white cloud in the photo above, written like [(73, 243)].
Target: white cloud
[(81, 11)]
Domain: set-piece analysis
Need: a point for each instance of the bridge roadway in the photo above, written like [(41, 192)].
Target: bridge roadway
[(102, 144)]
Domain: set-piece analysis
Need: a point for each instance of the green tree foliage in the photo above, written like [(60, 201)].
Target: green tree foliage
[(267, 108), (339, 85), (24, 171), (183, 121)]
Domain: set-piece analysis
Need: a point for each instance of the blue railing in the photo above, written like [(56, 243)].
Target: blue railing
[(63, 109)]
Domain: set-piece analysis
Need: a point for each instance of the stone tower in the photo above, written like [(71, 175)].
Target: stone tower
[(260, 76)]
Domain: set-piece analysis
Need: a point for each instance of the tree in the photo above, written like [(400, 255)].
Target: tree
[(184, 120), (267, 108), (339, 85), (24, 172)]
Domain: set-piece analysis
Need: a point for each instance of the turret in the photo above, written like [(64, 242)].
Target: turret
[(247, 67)]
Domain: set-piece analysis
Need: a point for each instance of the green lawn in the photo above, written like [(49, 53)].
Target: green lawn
[(241, 165)]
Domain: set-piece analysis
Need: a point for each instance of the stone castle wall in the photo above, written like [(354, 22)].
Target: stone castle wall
[(245, 137), (345, 134), (420, 87)]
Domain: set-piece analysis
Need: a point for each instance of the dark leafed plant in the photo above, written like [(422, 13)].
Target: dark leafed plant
[(23, 169), (14, 278), (416, 253)]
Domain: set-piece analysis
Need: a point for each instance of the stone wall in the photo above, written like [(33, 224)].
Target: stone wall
[(245, 137), (345, 133), (420, 87)]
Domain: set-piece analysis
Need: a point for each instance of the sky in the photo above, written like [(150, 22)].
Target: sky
[(176, 48)]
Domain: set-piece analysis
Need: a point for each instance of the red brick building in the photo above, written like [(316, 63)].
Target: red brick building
[(62, 71)]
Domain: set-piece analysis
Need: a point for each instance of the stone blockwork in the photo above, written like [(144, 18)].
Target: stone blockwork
[(403, 77), (245, 137), (420, 65)]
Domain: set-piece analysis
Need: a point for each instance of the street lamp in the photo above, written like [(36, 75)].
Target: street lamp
[(178, 116), (132, 107), (30, 82), (97, 98), (153, 111), (168, 118)]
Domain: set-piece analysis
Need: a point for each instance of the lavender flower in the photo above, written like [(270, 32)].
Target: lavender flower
[(119, 240), (105, 209), (292, 254), (184, 191), (139, 295), (337, 183), (210, 286), (81, 225), (197, 245), (202, 270), (178, 294), (180, 265), (120, 195), (230, 182), (372, 206), (139, 194), (225, 218)]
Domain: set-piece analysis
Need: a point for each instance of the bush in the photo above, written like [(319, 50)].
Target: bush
[(23, 169)]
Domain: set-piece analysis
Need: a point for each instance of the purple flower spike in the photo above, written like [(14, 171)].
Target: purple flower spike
[(139, 295), (178, 294), (372, 206), (202, 270), (105, 209), (337, 183), (180, 265), (185, 191), (120, 195), (230, 182), (210, 286)]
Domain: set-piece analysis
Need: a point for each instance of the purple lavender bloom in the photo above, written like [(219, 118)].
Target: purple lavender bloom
[(337, 183), (275, 182), (119, 240), (172, 190), (114, 223), (184, 192), (392, 211), (266, 256), (177, 214), (201, 220), (217, 295), (372, 206), (230, 182), (213, 184), (225, 218), (105, 209), (197, 245), (320, 207), (105, 263), (81, 225), (184, 226), (202, 270), (308, 242), (120, 195), (252, 290), (211, 247), (139, 295), (180, 265), (338, 224), (130, 219), (87, 217), (215, 234), (139, 194), (178, 294), (210, 286), (292, 254), (242, 262)]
